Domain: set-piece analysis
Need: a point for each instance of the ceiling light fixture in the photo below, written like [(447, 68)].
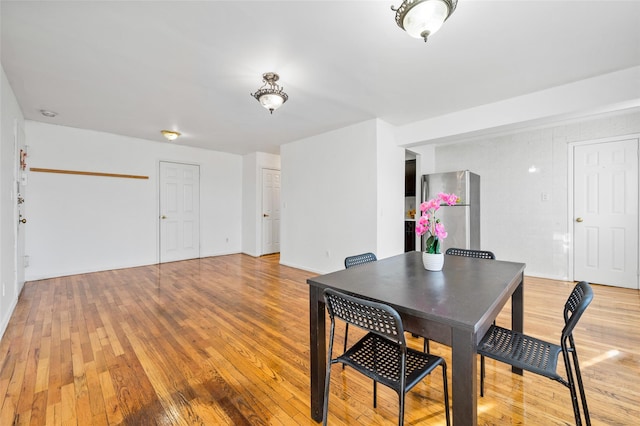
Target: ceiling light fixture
[(422, 18), (270, 95), (48, 113), (170, 134)]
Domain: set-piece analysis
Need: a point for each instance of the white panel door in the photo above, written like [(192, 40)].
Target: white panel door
[(179, 211), (606, 213), (270, 211)]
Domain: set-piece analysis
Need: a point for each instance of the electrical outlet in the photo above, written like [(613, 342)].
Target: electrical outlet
[(26, 261)]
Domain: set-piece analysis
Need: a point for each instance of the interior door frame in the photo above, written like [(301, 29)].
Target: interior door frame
[(19, 144), (571, 194)]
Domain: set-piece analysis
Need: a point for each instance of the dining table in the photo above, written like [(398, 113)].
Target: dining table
[(454, 306)]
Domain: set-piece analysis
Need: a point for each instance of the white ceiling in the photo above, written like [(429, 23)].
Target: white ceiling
[(134, 68)]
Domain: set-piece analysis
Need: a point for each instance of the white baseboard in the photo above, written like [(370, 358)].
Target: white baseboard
[(7, 316), (546, 276), (303, 268)]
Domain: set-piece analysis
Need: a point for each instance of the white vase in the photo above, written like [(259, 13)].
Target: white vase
[(432, 261)]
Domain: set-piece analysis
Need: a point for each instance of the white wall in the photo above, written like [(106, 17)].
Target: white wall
[(10, 284), (390, 165), (87, 223), (252, 166), (329, 193), (516, 224), (427, 159), (249, 194)]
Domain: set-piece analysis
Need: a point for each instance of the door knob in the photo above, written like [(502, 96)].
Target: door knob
[(265, 215), (579, 219), (23, 220), (163, 217)]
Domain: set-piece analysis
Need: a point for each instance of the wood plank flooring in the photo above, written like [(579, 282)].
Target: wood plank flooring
[(224, 341)]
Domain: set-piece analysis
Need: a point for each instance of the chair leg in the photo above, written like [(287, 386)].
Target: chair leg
[(327, 380), (375, 394), (574, 401), (426, 346), (446, 393), (401, 395), (325, 407), (587, 419), (583, 397), (481, 375), (482, 371), (572, 389), (346, 336)]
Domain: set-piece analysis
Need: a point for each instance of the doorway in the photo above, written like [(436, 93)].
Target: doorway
[(179, 211), (20, 150), (605, 212), (270, 211)]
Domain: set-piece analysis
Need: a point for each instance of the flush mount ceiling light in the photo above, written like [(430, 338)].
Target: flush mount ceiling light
[(48, 113), (170, 134), (422, 18), (270, 95)]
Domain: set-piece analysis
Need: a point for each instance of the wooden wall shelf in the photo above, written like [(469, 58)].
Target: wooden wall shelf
[(76, 172)]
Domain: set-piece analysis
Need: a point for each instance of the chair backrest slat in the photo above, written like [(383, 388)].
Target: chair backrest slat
[(371, 316), (478, 254), (359, 259), (575, 306)]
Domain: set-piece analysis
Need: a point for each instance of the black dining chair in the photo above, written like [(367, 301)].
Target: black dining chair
[(540, 357), (350, 261), (477, 254), (382, 354), (361, 259)]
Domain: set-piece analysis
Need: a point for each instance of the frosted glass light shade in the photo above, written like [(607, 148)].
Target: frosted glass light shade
[(421, 18), (271, 101)]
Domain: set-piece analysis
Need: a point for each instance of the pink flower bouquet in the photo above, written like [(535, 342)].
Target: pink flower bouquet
[(428, 223)]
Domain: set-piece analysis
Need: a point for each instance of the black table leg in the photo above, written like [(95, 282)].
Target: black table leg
[(517, 313), (318, 351), (464, 378)]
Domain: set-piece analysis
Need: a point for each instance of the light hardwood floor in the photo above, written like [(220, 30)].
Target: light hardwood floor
[(224, 341)]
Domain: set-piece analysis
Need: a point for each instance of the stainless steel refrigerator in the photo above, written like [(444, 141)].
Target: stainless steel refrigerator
[(461, 221)]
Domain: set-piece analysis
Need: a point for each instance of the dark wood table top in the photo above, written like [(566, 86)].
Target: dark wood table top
[(460, 296)]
